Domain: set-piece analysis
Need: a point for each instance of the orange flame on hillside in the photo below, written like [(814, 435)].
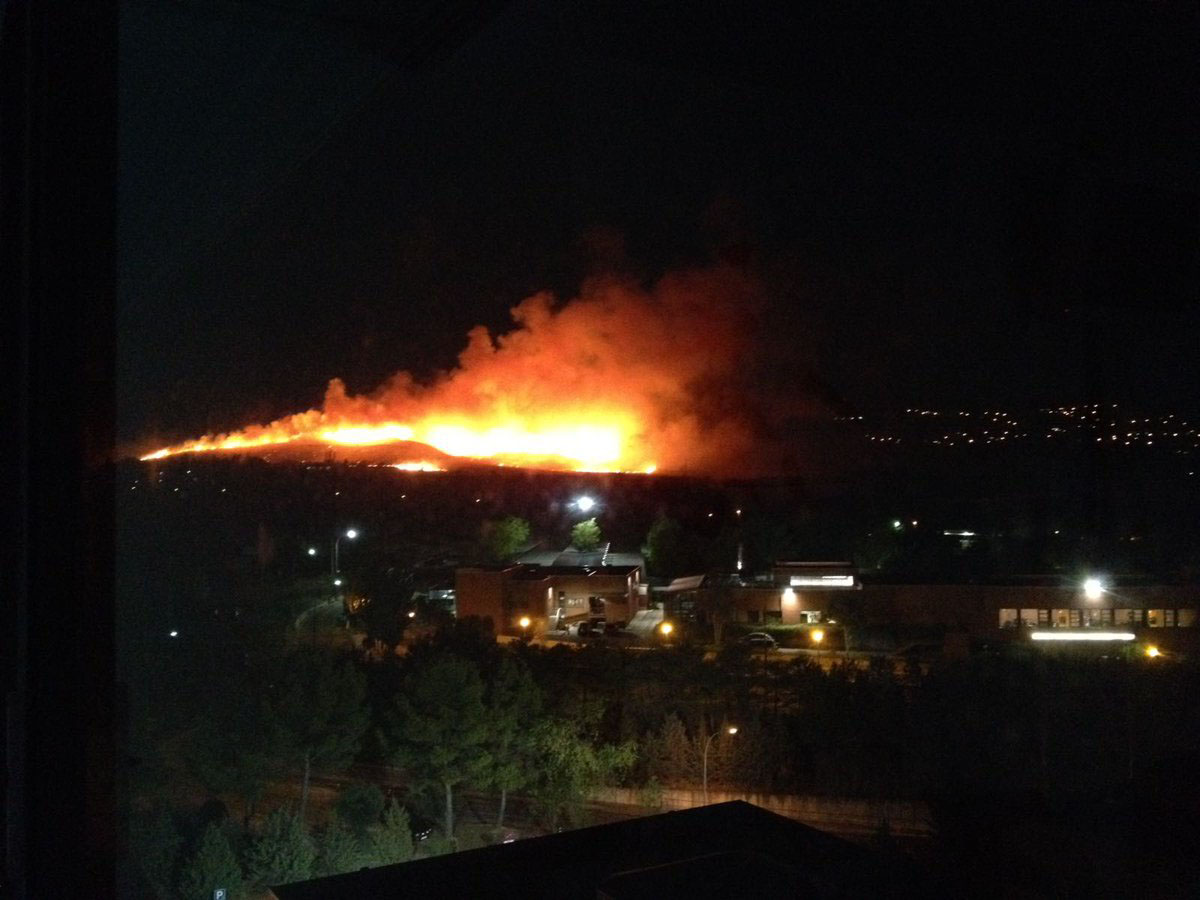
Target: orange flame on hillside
[(618, 379)]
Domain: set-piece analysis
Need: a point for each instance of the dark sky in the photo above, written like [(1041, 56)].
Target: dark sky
[(946, 206)]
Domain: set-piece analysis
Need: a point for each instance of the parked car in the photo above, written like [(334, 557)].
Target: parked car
[(421, 827), (760, 639)]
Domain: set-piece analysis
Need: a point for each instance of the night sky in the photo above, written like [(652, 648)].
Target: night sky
[(945, 207)]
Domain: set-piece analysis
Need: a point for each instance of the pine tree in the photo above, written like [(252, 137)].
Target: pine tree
[(318, 713), (514, 704), (156, 844), (340, 851), (391, 842), (359, 806), (283, 853), (213, 865), (440, 728)]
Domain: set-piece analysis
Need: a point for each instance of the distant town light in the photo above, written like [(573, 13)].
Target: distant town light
[(351, 533), (897, 524), (174, 633), (732, 729), (337, 582), (412, 613), (1093, 588), (312, 551)]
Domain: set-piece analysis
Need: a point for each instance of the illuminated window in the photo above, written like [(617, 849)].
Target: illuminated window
[(1168, 618), (1061, 618), (1075, 618), (1008, 618), (1029, 618), (1043, 618), (1106, 617), (1185, 618), (1154, 618)]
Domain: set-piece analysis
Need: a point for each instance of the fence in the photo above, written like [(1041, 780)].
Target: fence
[(846, 816)]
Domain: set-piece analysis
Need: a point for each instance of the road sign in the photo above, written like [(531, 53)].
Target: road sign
[(219, 894)]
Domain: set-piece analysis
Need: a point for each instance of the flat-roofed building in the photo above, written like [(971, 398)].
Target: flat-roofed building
[(555, 590)]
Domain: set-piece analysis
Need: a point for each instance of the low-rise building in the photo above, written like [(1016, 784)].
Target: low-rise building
[(552, 590), (1046, 608)]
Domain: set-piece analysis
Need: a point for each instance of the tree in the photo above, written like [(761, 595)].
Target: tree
[(391, 842), (156, 844), (571, 766), (586, 535), (317, 713), (666, 548), (283, 853), (230, 754), (440, 728), (502, 540), (514, 704), (213, 865), (359, 806), (340, 851)]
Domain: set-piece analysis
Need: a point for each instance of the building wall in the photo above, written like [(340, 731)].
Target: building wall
[(507, 595), (982, 611)]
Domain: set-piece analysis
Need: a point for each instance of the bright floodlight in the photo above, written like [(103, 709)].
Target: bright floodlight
[(312, 551), (351, 533), (585, 503), (1082, 636), (1093, 588)]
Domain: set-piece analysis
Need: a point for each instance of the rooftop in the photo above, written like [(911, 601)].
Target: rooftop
[(723, 850)]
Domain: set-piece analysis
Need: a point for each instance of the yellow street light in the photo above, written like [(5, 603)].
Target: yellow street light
[(524, 621), (1153, 652), (817, 635), (666, 628)]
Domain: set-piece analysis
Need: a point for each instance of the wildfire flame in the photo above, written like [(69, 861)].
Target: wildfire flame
[(619, 379)]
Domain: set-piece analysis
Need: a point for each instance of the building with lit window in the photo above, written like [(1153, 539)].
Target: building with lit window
[(1048, 609), (549, 589)]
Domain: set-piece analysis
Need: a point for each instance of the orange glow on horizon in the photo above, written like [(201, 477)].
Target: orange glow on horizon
[(622, 378)]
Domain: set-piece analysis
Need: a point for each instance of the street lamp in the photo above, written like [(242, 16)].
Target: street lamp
[(1093, 588), (312, 551), (351, 534), (585, 503), (732, 729), (524, 622), (665, 629)]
